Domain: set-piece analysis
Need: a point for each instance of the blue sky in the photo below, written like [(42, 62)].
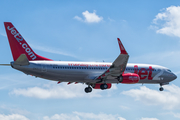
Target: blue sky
[(87, 31)]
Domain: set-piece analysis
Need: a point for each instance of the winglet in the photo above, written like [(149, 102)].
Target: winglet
[(122, 49)]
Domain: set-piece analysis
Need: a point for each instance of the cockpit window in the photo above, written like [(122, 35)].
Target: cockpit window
[(169, 70)]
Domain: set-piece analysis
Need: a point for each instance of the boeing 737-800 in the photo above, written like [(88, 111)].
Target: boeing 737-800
[(97, 75)]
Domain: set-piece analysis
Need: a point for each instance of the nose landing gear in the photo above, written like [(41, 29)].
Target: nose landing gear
[(161, 88), (161, 84)]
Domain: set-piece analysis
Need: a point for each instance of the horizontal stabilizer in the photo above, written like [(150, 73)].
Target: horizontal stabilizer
[(22, 60), (5, 64)]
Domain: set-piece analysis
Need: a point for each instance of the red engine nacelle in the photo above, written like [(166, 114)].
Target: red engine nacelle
[(130, 78), (97, 86)]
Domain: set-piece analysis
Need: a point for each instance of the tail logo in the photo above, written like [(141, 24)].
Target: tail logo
[(19, 38), (16, 35)]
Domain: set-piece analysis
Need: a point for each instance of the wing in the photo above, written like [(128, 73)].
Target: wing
[(117, 67)]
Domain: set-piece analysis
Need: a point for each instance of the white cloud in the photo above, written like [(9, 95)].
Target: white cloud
[(84, 116), (61, 117), (111, 20), (12, 117), (153, 58), (3, 34), (14, 110), (149, 119), (124, 107), (168, 21), (60, 91), (51, 50), (121, 118), (78, 18), (18, 80), (89, 17), (176, 115), (168, 99)]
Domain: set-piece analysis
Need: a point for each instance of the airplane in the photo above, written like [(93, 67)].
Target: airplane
[(96, 75)]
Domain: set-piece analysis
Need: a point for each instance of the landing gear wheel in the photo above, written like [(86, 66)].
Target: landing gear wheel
[(104, 86), (120, 78), (161, 89), (88, 89)]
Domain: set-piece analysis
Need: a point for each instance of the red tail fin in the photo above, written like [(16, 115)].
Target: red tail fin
[(18, 44)]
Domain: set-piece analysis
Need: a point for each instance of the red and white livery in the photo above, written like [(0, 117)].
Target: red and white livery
[(97, 75)]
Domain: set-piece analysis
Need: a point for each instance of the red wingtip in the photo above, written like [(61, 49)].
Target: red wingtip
[(122, 49)]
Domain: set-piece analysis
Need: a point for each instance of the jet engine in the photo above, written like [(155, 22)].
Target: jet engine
[(130, 78)]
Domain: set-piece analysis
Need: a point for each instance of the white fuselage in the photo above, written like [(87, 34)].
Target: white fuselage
[(87, 72)]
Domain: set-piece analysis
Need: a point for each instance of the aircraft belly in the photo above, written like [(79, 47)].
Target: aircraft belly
[(154, 81), (57, 75), (65, 76)]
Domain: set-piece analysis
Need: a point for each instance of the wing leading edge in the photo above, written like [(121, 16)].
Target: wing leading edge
[(118, 66)]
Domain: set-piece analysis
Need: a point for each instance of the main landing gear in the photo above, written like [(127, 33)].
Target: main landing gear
[(120, 78), (89, 88), (104, 86)]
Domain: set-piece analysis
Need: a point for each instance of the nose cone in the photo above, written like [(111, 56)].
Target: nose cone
[(174, 76), (169, 76)]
